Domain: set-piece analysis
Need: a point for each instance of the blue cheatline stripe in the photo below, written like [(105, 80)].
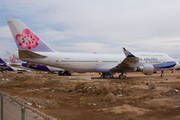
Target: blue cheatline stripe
[(164, 65), (130, 55)]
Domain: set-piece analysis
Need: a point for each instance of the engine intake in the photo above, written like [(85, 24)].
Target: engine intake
[(147, 69)]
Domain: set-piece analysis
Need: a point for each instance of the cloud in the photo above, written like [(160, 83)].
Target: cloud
[(5, 32), (6, 45), (101, 26), (52, 35), (89, 47)]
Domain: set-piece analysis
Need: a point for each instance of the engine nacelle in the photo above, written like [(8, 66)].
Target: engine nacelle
[(16, 55), (147, 69)]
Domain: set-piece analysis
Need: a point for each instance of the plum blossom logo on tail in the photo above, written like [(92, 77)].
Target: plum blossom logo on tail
[(27, 39), (14, 60)]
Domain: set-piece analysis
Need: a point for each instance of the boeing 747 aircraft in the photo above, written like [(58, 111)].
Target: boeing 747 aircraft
[(32, 48)]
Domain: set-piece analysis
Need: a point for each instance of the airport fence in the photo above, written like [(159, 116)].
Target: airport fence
[(11, 109)]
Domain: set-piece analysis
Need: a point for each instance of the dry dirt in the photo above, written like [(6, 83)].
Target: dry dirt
[(97, 99)]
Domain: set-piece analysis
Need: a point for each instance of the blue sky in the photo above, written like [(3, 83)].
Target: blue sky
[(101, 26)]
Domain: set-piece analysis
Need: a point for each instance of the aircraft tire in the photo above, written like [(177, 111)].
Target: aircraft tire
[(124, 76), (162, 75), (111, 76)]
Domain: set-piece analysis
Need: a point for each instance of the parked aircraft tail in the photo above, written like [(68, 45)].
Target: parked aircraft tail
[(4, 66), (2, 62), (12, 59), (25, 38)]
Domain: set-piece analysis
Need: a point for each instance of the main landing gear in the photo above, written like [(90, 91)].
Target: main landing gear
[(162, 73), (64, 73), (122, 76), (106, 75)]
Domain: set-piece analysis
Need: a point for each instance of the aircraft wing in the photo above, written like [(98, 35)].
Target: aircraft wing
[(130, 62)]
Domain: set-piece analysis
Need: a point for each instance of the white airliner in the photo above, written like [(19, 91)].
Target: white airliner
[(5, 66), (33, 49), (15, 62)]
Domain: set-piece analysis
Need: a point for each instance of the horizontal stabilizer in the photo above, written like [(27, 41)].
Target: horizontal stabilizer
[(29, 54), (14, 64), (9, 53)]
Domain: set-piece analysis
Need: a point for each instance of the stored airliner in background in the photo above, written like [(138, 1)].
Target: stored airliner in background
[(33, 49), (15, 62), (6, 67)]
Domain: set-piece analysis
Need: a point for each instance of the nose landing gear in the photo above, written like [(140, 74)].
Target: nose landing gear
[(122, 76)]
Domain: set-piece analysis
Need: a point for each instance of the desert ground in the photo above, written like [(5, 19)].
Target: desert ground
[(138, 97)]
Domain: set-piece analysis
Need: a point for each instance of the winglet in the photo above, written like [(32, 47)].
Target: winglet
[(127, 53)]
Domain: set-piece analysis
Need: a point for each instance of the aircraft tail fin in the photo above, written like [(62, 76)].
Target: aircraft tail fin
[(4, 66), (25, 38), (12, 59), (2, 62)]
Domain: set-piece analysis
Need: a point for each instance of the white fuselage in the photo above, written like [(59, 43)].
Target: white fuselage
[(83, 62)]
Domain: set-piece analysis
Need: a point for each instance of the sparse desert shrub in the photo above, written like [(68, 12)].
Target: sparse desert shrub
[(49, 96), (152, 86), (113, 100), (80, 86), (110, 98), (110, 95)]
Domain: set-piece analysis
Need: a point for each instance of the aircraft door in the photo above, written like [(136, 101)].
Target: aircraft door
[(57, 61), (97, 61)]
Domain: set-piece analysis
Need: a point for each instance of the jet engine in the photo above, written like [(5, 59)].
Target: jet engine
[(147, 69)]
